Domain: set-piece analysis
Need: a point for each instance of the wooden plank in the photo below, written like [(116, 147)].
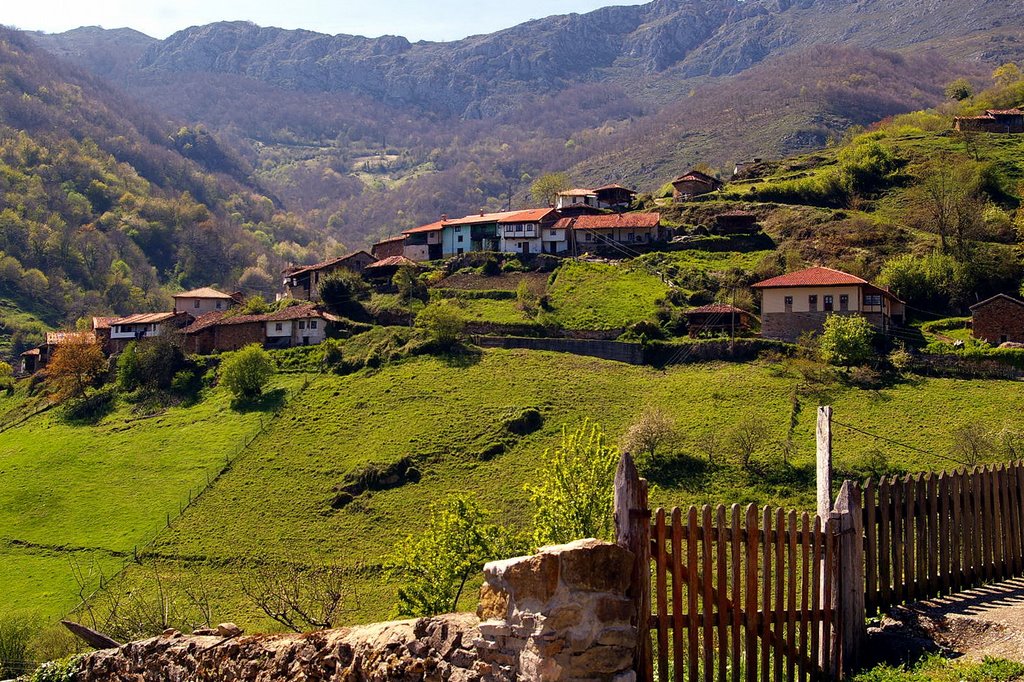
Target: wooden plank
[(944, 511), (805, 590), (678, 583), (633, 531), (722, 603), (985, 507), (851, 577), (909, 558), (692, 595), (972, 516), (884, 553), (921, 533), (708, 599), (1019, 507), (778, 631), (661, 592), (932, 549), (752, 581), (737, 587), (828, 636), (870, 548), (766, 595), (957, 542), (823, 440), (1005, 562), (899, 579), (817, 592), (1015, 518), (791, 581)]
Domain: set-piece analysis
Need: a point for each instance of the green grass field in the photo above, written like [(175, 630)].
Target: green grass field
[(599, 296)]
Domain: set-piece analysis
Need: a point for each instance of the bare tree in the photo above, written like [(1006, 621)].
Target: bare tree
[(299, 598), (709, 443), (974, 443), (647, 432), (747, 439)]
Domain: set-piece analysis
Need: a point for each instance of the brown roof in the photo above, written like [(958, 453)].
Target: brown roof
[(291, 272), (717, 309), (532, 215), (697, 175), (432, 227), (992, 299), (102, 322), (604, 188), (610, 221), (145, 318), (388, 240), (294, 312), (1005, 112), (812, 277), (390, 262), (54, 338), (203, 292), (736, 214), (577, 192), (482, 218)]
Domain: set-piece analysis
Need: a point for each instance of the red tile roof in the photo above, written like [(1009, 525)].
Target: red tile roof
[(480, 218), (611, 221), (432, 227), (532, 215), (294, 312), (577, 192), (54, 338), (812, 277), (102, 322), (1011, 299), (390, 262), (603, 188), (1005, 112), (697, 175), (291, 272)]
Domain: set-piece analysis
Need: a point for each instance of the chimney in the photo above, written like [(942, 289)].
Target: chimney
[(481, 212), (444, 217)]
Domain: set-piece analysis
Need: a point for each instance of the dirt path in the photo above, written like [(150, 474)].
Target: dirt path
[(986, 621)]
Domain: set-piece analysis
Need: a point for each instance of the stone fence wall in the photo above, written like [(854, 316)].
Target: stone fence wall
[(559, 615)]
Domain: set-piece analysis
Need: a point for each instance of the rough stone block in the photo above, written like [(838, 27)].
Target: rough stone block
[(493, 603), (611, 609), (601, 660), (619, 636), (595, 566)]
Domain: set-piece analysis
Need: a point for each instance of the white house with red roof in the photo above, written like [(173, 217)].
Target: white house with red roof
[(523, 231), (615, 230), (799, 302), (204, 300)]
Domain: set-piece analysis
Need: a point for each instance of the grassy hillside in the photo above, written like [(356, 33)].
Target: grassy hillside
[(275, 504)]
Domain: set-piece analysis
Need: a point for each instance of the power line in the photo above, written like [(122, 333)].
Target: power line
[(898, 443)]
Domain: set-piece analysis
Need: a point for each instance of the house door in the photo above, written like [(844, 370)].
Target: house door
[(525, 247), (305, 340)]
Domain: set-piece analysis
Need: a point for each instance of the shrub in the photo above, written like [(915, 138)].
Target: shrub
[(63, 670), (342, 291), (410, 287), (443, 322), (247, 372), (15, 635), (846, 340), (150, 365)]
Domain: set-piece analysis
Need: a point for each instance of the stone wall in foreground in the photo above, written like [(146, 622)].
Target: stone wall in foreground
[(560, 614)]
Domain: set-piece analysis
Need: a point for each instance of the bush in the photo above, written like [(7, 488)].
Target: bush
[(63, 670), (247, 372), (443, 322), (15, 635), (846, 340), (342, 291), (151, 365)]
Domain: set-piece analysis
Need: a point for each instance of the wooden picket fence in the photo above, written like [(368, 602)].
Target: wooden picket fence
[(758, 594), (938, 534)]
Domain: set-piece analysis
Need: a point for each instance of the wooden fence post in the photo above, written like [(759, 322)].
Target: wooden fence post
[(633, 532), (849, 588), (824, 468)]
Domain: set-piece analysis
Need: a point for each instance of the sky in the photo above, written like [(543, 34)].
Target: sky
[(414, 19)]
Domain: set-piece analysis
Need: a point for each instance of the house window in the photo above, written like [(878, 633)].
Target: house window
[(844, 302), (551, 233), (302, 324), (312, 324), (519, 228), (829, 304), (195, 303), (587, 237), (459, 240), (812, 303), (458, 230), (873, 300), (789, 304), (218, 305), (279, 327)]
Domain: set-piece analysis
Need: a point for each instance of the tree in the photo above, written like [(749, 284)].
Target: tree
[(410, 287), (299, 598), (846, 340), (959, 90), (545, 189), (747, 438), (75, 365), (974, 443), (647, 432), (342, 290), (6, 374), (247, 372), (444, 322), (150, 365), (574, 497), (1006, 75), (435, 565)]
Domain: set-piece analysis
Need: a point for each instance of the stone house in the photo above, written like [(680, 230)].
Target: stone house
[(694, 184), (304, 282), (614, 231), (424, 242), (612, 196), (718, 318), (799, 302), (382, 272), (387, 248), (37, 358), (992, 121), (124, 330), (998, 320), (297, 325), (205, 300), (523, 231)]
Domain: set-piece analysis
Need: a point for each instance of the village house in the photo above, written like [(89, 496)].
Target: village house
[(614, 230), (424, 242), (694, 184), (303, 282), (615, 197), (386, 248), (101, 330), (383, 271), (479, 232), (718, 318), (297, 325), (799, 302), (992, 121), (743, 168), (998, 320), (522, 232), (37, 358), (140, 326), (205, 300)]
